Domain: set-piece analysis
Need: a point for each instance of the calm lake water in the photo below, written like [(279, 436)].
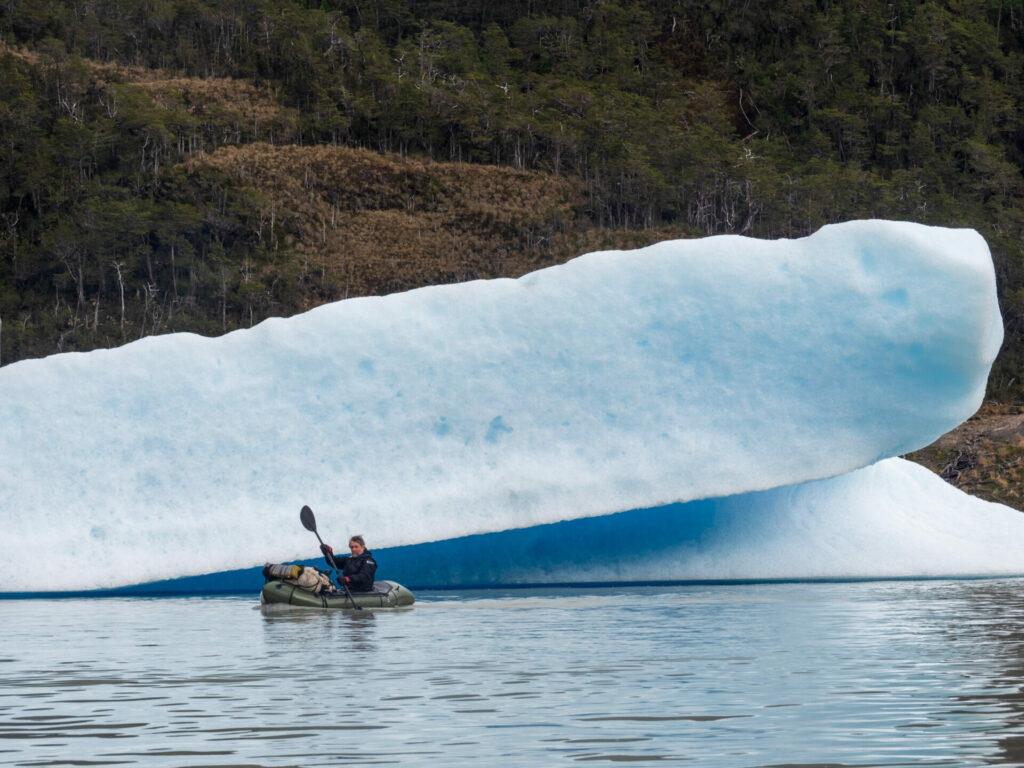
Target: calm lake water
[(861, 674)]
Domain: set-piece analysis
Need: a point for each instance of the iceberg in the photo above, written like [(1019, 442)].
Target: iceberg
[(725, 371)]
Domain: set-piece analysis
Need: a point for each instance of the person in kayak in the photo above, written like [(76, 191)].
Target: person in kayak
[(356, 568)]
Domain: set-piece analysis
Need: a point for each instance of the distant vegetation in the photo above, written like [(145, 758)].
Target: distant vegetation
[(201, 165)]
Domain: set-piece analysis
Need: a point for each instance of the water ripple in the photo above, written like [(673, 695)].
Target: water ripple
[(756, 676)]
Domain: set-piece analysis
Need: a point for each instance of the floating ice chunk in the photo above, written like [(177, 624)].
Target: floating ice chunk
[(686, 370)]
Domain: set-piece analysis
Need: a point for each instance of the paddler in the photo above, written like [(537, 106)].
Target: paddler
[(357, 568)]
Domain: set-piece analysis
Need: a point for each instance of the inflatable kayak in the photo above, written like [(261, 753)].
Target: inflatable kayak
[(385, 594)]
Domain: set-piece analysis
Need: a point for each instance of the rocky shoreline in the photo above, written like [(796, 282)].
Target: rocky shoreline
[(984, 456)]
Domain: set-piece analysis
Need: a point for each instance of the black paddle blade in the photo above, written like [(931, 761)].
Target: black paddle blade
[(308, 521)]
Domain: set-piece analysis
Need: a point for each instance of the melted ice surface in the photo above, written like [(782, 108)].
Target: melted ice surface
[(687, 370)]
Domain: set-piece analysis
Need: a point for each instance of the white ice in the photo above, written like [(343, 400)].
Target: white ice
[(686, 370)]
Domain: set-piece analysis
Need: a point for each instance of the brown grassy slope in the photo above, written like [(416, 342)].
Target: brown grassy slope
[(170, 89), (233, 109), (383, 223)]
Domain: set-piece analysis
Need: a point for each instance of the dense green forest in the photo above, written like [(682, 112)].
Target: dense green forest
[(200, 165)]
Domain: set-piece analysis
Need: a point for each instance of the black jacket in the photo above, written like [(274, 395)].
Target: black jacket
[(359, 569)]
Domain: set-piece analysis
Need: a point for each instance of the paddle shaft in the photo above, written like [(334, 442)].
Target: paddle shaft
[(309, 522)]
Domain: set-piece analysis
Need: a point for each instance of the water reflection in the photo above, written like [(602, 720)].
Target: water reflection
[(885, 674), (346, 630), (990, 622)]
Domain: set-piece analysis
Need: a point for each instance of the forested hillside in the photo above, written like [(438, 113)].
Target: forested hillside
[(200, 165)]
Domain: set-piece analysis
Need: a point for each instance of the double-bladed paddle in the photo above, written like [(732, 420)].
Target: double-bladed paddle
[(309, 523)]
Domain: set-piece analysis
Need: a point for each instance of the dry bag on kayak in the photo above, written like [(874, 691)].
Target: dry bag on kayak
[(274, 571), (304, 576)]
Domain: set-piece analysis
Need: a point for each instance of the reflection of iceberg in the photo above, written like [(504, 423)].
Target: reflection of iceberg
[(621, 380)]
